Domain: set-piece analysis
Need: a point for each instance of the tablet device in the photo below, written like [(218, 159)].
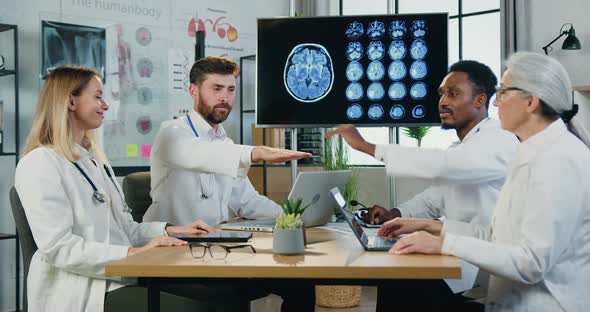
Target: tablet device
[(219, 237)]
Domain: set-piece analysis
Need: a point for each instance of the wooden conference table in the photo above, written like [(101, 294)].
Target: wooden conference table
[(330, 258)]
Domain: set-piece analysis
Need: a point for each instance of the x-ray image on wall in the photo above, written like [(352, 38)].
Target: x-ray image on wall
[(72, 44), (381, 70)]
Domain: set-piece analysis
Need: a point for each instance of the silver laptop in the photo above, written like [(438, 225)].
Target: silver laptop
[(312, 187), (366, 236)]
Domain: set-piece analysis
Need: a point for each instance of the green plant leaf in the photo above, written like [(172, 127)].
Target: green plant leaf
[(289, 222), (417, 133), (293, 207)]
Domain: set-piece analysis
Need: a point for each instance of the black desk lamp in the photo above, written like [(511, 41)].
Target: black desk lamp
[(571, 42)]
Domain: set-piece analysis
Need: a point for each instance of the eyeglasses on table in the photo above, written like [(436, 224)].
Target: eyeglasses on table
[(216, 251)]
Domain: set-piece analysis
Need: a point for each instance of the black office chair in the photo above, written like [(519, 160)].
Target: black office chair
[(136, 187), (27, 243)]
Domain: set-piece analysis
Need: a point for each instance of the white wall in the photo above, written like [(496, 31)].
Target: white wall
[(540, 23)]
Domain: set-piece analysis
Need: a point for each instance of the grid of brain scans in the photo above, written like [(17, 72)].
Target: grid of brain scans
[(380, 70), (385, 46)]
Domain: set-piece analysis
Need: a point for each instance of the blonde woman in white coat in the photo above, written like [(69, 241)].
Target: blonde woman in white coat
[(74, 205), (537, 247)]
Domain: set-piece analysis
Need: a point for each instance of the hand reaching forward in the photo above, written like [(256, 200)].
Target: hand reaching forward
[(399, 226), (276, 155), (418, 242), (352, 136), (197, 227), (158, 241), (379, 215)]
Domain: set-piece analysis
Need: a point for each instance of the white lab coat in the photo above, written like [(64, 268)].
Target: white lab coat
[(537, 248), (73, 231), (185, 167), (467, 178)]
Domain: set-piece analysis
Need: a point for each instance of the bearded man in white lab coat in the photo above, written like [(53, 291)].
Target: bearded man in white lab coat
[(196, 170), (467, 177)]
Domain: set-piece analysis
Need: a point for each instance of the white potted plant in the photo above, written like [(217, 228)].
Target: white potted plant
[(289, 235)]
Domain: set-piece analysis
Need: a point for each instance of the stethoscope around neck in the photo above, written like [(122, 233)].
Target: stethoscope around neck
[(190, 122), (96, 195)]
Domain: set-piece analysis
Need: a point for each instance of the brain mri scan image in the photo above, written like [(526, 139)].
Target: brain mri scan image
[(397, 91), (376, 30), (375, 91), (354, 91), (309, 73), (354, 30), (397, 50), (418, 90), (418, 28), (375, 112), (354, 112), (371, 70), (418, 111), (376, 50), (418, 70), (418, 49), (354, 51), (397, 70), (397, 112), (375, 71), (397, 29), (354, 71)]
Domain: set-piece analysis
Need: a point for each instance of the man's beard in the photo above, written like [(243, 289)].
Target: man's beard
[(210, 114), (446, 126)]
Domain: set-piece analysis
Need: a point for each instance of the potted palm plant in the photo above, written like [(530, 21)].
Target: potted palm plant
[(335, 157), (417, 133), (289, 234)]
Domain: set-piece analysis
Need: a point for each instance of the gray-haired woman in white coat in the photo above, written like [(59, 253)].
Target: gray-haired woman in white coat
[(74, 206), (537, 248)]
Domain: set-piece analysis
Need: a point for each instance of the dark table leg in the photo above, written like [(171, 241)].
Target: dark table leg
[(153, 286)]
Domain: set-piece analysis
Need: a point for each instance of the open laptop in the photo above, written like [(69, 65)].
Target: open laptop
[(366, 236), (312, 187)]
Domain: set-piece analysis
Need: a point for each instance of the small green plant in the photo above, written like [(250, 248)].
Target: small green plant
[(417, 133), (351, 188), (289, 222), (292, 211), (335, 157)]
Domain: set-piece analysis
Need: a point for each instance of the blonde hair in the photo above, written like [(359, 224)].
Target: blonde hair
[(51, 125)]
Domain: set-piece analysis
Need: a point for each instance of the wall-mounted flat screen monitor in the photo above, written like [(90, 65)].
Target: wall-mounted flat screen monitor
[(373, 70), (72, 45)]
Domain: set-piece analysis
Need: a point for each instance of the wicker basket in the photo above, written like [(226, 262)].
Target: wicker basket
[(338, 296)]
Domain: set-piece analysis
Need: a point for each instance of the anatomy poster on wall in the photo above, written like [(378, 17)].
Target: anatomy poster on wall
[(150, 48)]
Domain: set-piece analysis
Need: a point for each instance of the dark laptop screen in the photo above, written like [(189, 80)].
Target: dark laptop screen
[(356, 227), (369, 242)]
